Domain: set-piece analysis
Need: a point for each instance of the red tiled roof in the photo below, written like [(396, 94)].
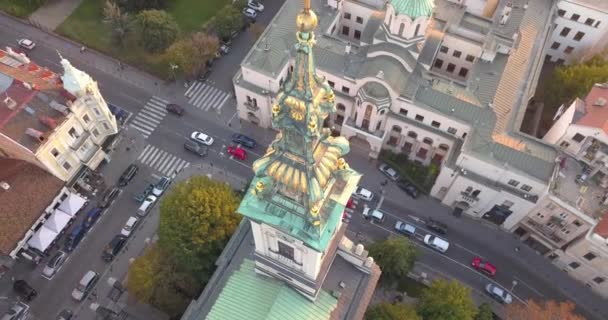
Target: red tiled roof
[(31, 191), (596, 116), (602, 227)]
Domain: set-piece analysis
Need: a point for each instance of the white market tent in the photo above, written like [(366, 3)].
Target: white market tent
[(57, 221), (42, 239), (72, 204)]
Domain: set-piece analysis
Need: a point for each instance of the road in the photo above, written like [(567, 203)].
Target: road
[(156, 146)]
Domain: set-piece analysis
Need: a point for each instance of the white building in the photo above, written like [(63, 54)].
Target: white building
[(581, 30)]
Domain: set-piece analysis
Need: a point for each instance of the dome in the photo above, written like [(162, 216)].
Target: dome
[(375, 90), (414, 8)]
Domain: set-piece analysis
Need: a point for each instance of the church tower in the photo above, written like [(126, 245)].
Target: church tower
[(302, 183)]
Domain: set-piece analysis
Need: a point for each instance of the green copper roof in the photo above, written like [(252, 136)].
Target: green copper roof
[(414, 8), (248, 295)]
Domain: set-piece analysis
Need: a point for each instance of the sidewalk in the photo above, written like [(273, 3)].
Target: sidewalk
[(53, 13)]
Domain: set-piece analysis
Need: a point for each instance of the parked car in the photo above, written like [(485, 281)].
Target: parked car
[(374, 215), (363, 194), (24, 290), (244, 140), (405, 228), (18, 311), (74, 238), (389, 172), (129, 226), (54, 264), (350, 203), (436, 243), (237, 152), (109, 197), (26, 43), (201, 138), (142, 196), (196, 148), (224, 49), (205, 74), (92, 217), (128, 175), (175, 109), (85, 285), (65, 314), (409, 188), (437, 226), (161, 186), (250, 13), (498, 293), (483, 266), (146, 205), (255, 5), (114, 247)]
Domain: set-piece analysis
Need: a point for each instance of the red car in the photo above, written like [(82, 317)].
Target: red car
[(483, 266), (237, 152), (350, 204)]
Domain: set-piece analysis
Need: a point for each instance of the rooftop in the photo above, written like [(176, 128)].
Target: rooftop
[(596, 108), (31, 191), (596, 4)]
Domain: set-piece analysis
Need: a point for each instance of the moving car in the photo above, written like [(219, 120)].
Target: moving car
[(54, 264), (109, 197), (26, 43), (175, 109), (483, 266), (498, 293), (85, 285), (237, 152), (129, 226), (128, 175), (374, 215), (201, 138), (363, 194), (161, 186), (250, 13), (436, 243), (18, 311), (405, 228), (409, 188), (244, 140), (437, 226), (74, 238), (114, 247), (196, 148), (92, 217), (146, 205), (389, 172), (255, 5), (24, 290)]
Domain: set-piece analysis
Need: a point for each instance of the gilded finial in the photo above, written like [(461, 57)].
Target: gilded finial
[(275, 110), (314, 211), (259, 187), (342, 165)]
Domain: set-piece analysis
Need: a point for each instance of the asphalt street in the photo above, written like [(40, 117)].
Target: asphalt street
[(156, 145)]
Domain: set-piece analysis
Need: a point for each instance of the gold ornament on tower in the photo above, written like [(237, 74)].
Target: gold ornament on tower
[(307, 20)]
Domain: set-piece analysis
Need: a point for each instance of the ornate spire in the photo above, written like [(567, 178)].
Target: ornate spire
[(75, 81)]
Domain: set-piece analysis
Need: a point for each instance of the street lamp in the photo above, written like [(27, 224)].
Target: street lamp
[(173, 68), (514, 283)]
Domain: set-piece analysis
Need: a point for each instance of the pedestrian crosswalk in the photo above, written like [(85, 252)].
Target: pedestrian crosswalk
[(162, 161), (206, 97), (150, 116)]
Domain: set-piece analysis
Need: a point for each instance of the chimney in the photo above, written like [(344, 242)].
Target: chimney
[(9, 102), (59, 107), (49, 122), (4, 185), (35, 134), (347, 49)]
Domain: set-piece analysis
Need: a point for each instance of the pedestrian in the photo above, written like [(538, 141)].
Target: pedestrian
[(517, 249), (82, 49)]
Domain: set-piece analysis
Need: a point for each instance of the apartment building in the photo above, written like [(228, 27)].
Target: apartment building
[(580, 30), (56, 122)]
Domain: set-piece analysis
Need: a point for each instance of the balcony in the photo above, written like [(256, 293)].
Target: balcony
[(78, 141), (468, 197), (544, 230), (252, 106), (351, 124)]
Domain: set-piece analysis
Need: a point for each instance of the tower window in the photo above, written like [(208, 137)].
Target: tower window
[(357, 34), (346, 15), (451, 67), (359, 20), (286, 250), (444, 49), (575, 17), (438, 63), (579, 36), (345, 30), (564, 32), (456, 53)]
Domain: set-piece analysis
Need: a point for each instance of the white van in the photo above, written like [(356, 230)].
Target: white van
[(374, 215), (129, 226), (146, 205), (436, 243)]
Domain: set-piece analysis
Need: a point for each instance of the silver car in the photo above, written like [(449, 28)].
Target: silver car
[(85, 285), (499, 294), (54, 264), (17, 311)]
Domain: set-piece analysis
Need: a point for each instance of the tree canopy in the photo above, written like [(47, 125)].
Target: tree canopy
[(191, 54), (119, 21), (227, 20), (390, 311), (542, 311), (395, 256), (447, 301), (484, 312), (157, 29), (138, 5)]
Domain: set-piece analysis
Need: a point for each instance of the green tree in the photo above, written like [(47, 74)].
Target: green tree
[(138, 5), (157, 30), (196, 220), (390, 311), (119, 21), (191, 54), (396, 257), (447, 301), (227, 20), (484, 312)]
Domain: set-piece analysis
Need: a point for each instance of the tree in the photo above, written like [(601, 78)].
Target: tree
[(447, 301), (157, 29), (395, 256), (119, 21), (484, 312), (227, 20), (256, 30), (196, 220), (205, 46), (542, 311), (389, 311), (138, 5), (191, 54)]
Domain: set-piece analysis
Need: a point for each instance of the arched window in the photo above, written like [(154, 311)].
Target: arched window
[(444, 147), (417, 30), (341, 107), (412, 134), (476, 193), (428, 141), (401, 28), (396, 128), (382, 112)]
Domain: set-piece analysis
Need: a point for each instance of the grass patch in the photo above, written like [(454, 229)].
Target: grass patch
[(192, 14), (420, 176), (411, 287), (18, 8)]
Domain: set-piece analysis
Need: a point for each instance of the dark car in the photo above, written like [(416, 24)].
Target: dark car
[(175, 109), (244, 140), (205, 74), (65, 314), (128, 175), (114, 247), (409, 188), (109, 197), (24, 290), (196, 148), (92, 217), (437, 226), (74, 238)]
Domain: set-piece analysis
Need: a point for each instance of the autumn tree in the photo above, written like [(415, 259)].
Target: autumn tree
[(196, 220), (390, 311), (447, 300), (227, 20), (396, 257), (157, 29), (484, 312), (547, 310), (119, 21), (256, 30)]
